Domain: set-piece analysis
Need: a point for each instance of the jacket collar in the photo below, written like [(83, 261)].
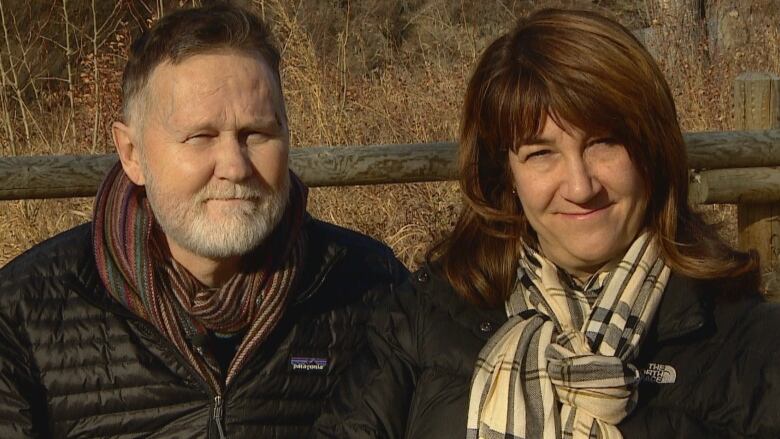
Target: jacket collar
[(482, 321), (320, 256), (685, 308)]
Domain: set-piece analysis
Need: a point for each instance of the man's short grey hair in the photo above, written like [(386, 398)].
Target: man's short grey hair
[(188, 32)]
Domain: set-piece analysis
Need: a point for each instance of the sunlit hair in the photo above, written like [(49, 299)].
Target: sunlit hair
[(194, 31), (591, 73)]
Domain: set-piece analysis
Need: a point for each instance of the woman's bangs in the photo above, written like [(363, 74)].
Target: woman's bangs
[(527, 116), (534, 100), (592, 112)]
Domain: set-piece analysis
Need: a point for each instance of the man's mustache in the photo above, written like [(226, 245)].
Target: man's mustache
[(250, 191)]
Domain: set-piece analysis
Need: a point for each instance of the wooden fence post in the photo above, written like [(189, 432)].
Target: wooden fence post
[(757, 106)]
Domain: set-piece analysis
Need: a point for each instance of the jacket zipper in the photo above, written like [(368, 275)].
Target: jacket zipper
[(217, 413), (218, 416)]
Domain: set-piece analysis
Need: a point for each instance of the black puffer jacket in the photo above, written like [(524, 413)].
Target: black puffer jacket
[(424, 341), (74, 363)]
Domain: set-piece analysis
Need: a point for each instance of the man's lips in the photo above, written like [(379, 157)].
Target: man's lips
[(232, 198), (230, 201)]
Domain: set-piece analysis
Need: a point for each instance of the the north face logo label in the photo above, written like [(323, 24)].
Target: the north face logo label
[(308, 364), (659, 374)]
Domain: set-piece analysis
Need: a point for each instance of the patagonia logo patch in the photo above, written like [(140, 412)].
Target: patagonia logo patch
[(659, 374), (308, 364)]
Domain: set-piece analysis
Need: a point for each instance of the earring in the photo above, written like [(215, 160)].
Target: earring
[(514, 191)]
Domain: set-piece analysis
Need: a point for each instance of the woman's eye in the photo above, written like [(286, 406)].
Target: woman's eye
[(537, 154), (607, 141), (602, 148)]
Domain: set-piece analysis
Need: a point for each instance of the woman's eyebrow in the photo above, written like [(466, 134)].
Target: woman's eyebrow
[(542, 141)]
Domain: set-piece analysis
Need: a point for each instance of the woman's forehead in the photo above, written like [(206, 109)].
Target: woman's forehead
[(550, 125)]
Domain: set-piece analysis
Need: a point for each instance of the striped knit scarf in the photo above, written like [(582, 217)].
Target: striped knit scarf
[(560, 367), (139, 272)]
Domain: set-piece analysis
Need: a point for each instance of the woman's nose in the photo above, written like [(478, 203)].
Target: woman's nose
[(580, 184)]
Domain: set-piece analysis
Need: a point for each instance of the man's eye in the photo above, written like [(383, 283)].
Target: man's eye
[(256, 138), (198, 139)]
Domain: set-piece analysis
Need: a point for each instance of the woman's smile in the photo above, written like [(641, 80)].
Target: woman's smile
[(591, 214)]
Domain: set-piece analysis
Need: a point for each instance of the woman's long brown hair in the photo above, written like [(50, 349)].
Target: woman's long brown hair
[(592, 73)]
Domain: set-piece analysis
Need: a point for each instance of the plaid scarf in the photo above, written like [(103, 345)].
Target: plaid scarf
[(138, 271), (560, 366)]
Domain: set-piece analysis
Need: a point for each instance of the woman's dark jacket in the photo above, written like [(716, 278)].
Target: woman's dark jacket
[(425, 339), (74, 363)]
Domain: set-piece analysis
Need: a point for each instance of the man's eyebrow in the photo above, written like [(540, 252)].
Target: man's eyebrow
[(191, 128), (266, 123)]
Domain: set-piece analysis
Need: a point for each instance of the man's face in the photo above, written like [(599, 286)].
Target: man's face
[(214, 151)]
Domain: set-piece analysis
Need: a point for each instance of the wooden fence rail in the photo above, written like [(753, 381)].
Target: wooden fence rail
[(729, 167), (741, 167)]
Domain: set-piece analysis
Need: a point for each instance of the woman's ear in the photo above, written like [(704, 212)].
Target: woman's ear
[(129, 152)]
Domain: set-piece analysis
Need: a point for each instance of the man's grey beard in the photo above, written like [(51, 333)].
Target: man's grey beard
[(187, 223)]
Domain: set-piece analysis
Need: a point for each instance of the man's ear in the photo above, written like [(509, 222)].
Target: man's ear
[(129, 152)]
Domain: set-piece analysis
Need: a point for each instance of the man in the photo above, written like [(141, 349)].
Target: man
[(201, 301)]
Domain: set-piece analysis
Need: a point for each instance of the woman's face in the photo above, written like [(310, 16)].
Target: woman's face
[(582, 195)]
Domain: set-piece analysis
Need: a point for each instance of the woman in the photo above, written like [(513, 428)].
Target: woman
[(578, 295)]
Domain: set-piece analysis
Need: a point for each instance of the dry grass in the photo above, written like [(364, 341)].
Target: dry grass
[(355, 72)]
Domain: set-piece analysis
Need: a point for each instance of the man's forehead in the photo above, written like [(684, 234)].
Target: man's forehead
[(204, 83), (210, 71)]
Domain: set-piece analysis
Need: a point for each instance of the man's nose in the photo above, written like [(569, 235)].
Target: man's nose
[(232, 161), (580, 184)]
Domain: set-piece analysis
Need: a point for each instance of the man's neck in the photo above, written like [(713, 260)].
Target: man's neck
[(210, 272)]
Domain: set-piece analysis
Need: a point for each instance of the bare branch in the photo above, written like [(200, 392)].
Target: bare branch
[(96, 78), (15, 83), (68, 61)]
